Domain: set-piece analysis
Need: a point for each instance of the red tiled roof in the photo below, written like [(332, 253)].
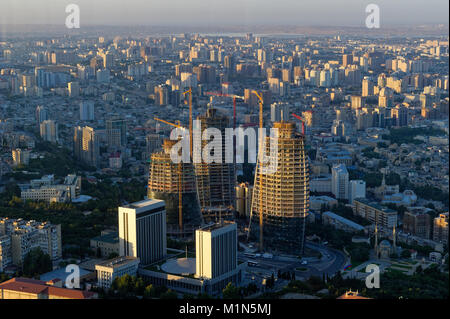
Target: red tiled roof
[(40, 287)]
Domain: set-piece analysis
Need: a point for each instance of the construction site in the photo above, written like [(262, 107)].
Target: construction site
[(280, 201), (175, 184), (215, 181)]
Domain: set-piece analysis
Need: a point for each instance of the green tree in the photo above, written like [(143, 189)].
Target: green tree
[(169, 294), (230, 292), (36, 262), (406, 253), (150, 292)]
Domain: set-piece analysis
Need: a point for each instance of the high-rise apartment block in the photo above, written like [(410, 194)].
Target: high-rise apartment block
[(49, 131), (86, 145), (356, 189), (440, 228), (20, 156), (116, 132), (339, 181), (87, 110), (25, 236)]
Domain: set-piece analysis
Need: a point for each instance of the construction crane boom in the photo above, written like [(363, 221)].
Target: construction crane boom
[(180, 179), (190, 119), (234, 102), (169, 123), (261, 124), (301, 120)]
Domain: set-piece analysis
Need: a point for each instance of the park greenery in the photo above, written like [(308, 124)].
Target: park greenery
[(36, 262), (132, 287), (406, 134), (79, 221)]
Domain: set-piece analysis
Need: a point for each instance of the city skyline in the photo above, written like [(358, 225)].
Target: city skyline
[(314, 159)]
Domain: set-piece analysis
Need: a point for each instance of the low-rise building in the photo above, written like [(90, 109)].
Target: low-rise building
[(105, 244), (111, 269), (316, 203), (375, 213), (45, 189), (339, 222), (25, 288)]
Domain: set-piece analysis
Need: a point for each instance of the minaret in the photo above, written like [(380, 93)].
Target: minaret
[(393, 241), (383, 184), (376, 240)]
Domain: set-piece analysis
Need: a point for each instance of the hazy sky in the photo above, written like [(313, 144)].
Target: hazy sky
[(225, 12)]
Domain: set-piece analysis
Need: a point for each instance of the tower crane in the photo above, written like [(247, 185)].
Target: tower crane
[(190, 119), (301, 120), (261, 124), (234, 102)]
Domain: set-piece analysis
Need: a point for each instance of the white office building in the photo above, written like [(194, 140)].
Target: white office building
[(216, 250), (142, 230)]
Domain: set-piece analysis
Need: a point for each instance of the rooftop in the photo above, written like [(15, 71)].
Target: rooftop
[(117, 262), (180, 266), (33, 286)]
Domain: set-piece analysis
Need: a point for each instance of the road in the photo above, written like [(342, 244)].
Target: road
[(331, 262)]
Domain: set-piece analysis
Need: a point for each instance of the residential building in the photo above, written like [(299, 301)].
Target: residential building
[(49, 131), (417, 222), (20, 156), (356, 189), (339, 222), (375, 213), (339, 181), (440, 228), (86, 145)]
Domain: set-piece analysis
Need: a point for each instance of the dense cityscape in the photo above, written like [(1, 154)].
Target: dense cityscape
[(88, 185)]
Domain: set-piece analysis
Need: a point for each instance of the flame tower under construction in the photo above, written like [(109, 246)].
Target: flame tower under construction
[(164, 183), (282, 195), (215, 181)]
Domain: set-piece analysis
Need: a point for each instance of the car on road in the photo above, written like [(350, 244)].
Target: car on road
[(304, 262), (252, 263)]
